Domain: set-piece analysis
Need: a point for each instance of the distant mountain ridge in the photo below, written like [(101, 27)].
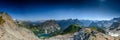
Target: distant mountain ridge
[(65, 23)]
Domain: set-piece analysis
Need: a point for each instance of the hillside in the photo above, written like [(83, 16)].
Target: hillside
[(10, 31), (72, 29), (90, 34)]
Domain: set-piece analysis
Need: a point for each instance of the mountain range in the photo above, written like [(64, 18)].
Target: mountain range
[(106, 29)]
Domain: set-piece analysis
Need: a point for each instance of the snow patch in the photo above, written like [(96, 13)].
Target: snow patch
[(114, 34)]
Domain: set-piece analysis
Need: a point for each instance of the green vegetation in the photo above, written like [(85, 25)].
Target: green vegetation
[(97, 29), (1, 20), (72, 29), (88, 31), (39, 31), (69, 30), (101, 30), (93, 28)]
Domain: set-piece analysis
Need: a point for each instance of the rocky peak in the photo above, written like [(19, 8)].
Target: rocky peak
[(10, 31), (8, 20), (50, 26)]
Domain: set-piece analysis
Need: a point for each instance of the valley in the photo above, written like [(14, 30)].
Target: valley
[(71, 29)]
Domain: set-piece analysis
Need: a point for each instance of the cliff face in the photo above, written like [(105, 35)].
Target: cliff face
[(50, 26), (10, 31)]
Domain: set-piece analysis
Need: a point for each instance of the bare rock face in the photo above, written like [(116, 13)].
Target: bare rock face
[(114, 30), (50, 26), (62, 37), (88, 34), (10, 31)]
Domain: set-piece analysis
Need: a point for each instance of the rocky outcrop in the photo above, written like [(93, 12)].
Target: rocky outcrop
[(10, 31), (49, 26), (114, 29), (89, 34), (101, 36), (61, 37)]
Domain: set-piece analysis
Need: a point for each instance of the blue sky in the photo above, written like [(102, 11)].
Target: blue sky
[(61, 9)]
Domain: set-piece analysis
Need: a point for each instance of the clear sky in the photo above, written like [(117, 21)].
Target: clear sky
[(61, 9)]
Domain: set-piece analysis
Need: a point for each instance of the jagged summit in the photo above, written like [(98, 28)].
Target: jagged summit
[(4, 13), (7, 18), (10, 31)]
